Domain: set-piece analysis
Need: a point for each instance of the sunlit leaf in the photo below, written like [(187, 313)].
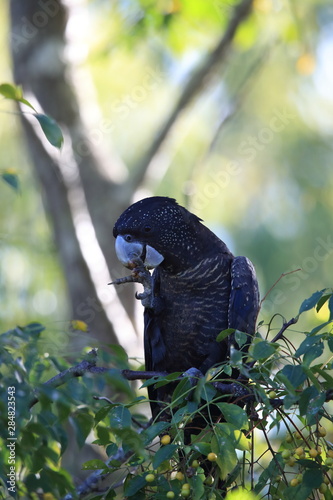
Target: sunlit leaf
[(95, 464), (234, 415), (10, 91), (330, 307), (224, 448), (51, 130), (14, 92), (322, 301), (224, 334)]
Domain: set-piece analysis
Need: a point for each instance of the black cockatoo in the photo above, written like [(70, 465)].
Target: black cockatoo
[(198, 287)]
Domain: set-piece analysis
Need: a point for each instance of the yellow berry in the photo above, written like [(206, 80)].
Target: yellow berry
[(329, 453), (180, 476), (297, 435), (323, 488), (291, 462), (272, 394), (313, 452), (212, 457), (299, 451), (289, 439), (150, 478), (170, 494), (209, 480), (294, 482), (186, 486), (286, 454), (185, 493), (329, 461), (166, 439), (322, 431), (195, 464)]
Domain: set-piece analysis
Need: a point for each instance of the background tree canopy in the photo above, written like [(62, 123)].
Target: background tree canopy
[(151, 101), (225, 106)]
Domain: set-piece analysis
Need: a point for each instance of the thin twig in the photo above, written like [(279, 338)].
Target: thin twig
[(276, 282), (87, 365)]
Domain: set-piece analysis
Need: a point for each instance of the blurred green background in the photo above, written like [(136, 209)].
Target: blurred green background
[(250, 153)]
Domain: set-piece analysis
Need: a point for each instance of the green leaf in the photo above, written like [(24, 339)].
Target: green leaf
[(317, 328), (330, 343), (133, 485), (314, 407), (307, 395), (316, 351), (322, 301), (309, 303), (241, 338), (224, 448), (132, 440), (262, 350), (181, 391), (201, 447), (295, 374), (309, 464), (83, 423), (154, 430), (274, 469), (14, 92), (10, 91), (51, 130), (164, 453), (300, 492), (307, 344), (330, 307), (118, 382), (197, 487), (33, 328), (234, 415), (102, 413), (12, 180), (224, 334), (120, 417), (94, 465)]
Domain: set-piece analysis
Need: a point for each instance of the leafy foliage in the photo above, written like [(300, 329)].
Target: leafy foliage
[(273, 441), (49, 126)]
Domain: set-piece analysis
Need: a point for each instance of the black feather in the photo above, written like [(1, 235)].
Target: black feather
[(200, 289)]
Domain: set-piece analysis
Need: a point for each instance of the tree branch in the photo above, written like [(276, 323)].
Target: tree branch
[(192, 87), (87, 365), (284, 327)]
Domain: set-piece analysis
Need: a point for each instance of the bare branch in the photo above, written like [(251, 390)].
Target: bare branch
[(192, 87), (284, 327), (87, 365)]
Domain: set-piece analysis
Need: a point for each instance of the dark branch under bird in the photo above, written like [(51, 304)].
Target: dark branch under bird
[(197, 289)]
